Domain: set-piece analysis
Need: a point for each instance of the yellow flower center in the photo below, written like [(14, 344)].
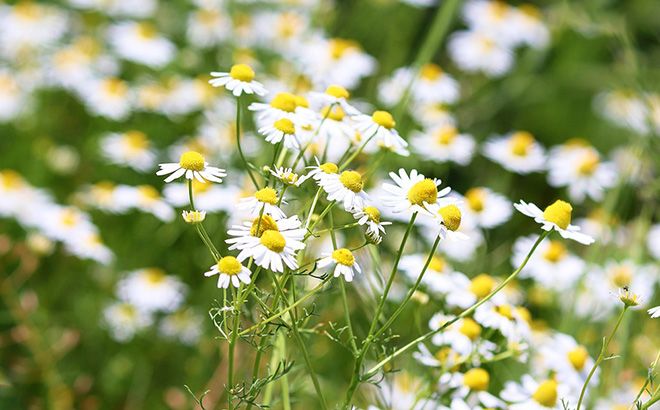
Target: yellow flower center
[(521, 142), (589, 163), (200, 187), (437, 264), (267, 223), (136, 140), (229, 265), (148, 192), (451, 217), (446, 135), (285, 125), (352, 180), (476, 379), (475, 198), (301, 101), (423, 191), (556, 251), (430, 72), (11, 179), (343, 256), (266, 195), (559, 213), (192, 160), (115, 87), (373, 213), (154, 276), (146, 30), (329, 168), (337, 91), (284, 101), (546, 393), (622, 276), (470, 328), (69, 217), (578, 357), (524, 314), (336, 113), (193, 217), (530, 11), (482, 285), (339, 46), (242, 72), (505, 310), (273, 240), (384, 119)]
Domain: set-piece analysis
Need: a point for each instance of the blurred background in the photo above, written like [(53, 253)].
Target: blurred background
[(95, 93)]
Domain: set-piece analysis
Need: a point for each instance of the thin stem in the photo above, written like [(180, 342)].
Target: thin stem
[(325, 211), (463, 314), (199, 227), (601, 356), (248, 166), (357, 151), (232, 344)]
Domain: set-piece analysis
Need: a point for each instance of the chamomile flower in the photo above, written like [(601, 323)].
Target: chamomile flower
[(444, 144), (184, 326), (193, 166), (412, 193), (239, 80), (517, 152), (346, 187), (342, 262), (124, 320), (624, 108), (208, 197), (151, 290), (556, 216), (569, 361), (463, 336), (271, 243), (510, 320), (433, 85), (282, 129), (486, 208), (266, 199), (531, 394), (282, 105), (370, 216), (335, 96), (288, 177), (379, 131), (107, 97), (132, 149), (579, 167), (448, 217), (465, 292), (146, 199), (471, 386), (141, 43), (319, 171), (474, 50), (229, 271), (193, 217)]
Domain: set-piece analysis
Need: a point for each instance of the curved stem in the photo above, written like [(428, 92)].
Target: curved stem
[(248, 166)]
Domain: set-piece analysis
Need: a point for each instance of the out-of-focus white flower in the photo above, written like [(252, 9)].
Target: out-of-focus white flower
[(131, 149), (125, 320), (476, 51), (444, 144), (378, 129), (151, 290), (486, 208), (530, 394), (141, 43), (517, 152), (107, 97)]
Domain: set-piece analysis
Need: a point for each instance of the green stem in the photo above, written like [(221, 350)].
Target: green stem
[(601, 357), (357, 151), (248, 166), (232, 344)]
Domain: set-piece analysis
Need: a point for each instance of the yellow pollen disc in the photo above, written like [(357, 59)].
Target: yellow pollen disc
[(284, 101), (423, 191), (530, 11), (69, 217), (285, 125), (451, 216), (498, 8), (384, 119), (559, 213), (505, 310), (446, 135), (437, 264), (146, 30), (476, 379), (524, 314), (481, 285), (200, 187), (329, 168), (337, 91), (242, 72), (373, 213), (154, 276), (555, 252), (193, 217), (578, 357), (351, 180), (148, 192), (229, 265), (589, 163), (430, 72), (475, 198), (266, 195), (521, 142), (128, 310), (192, 160), (115, 87), (470, 328), (339, 46), (343, 256), (11, 179), (301, 101), (267, 223), (546, 393), (622, 276), (136, 140), (336, 113), (273, 240)]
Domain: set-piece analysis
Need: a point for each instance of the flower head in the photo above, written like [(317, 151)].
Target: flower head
[(556, 216), (344, 263), (193, 165), (239, 80), (229, 270)]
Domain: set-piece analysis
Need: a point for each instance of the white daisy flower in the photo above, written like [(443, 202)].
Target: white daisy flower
[(193, 165), (271, 243), (229, 270), (517, 152), (140, 43), (208, 197), (288, 177), (108, 97), (282, 129), (412, 193), (342, 262), (370, 216), (124, 320), (463, 336), (463, 292), (444, 144), (472, 387), (239, 80), (433, 85), (556, 216), (533, 395), (346, 187), (448, 217), (510, 320), (146, 199), (378, 128), (334, 96), (486, 208), (151, 290), (578, 166), (193, 217), (185, 326), (132, 149), (266, 199), (569, 361), (474, 50), (282, 105), (318, 171)]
